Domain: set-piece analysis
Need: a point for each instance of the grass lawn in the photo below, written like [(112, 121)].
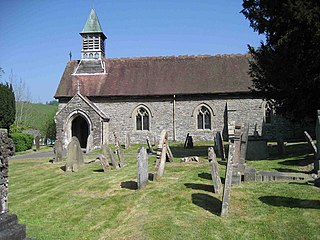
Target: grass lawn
[(91, 204)]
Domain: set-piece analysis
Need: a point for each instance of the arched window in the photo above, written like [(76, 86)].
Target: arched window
[(204, 118), (90, 55), (142, 119), (96, 55), (268, 113)]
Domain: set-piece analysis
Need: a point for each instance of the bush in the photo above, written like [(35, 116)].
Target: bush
[(22, 141)]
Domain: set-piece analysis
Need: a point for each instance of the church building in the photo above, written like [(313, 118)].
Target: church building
[(142, 96)]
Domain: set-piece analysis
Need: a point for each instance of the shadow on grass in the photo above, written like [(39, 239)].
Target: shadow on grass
[(307, 183), (291, 170), (131, 185), (197, 186), (280, 201), (208, 177), (98, 170), (304, 161), (205, 175), (179, 151), (207, 202)]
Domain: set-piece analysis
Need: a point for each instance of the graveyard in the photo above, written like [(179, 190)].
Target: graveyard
[(101, 202)]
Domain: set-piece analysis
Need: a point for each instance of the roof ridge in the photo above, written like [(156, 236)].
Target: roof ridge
[(202, 56)]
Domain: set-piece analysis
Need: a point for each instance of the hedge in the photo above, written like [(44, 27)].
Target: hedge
[(22, 141)]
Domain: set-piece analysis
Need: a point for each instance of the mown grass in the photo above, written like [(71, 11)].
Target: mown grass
[(91, 204)]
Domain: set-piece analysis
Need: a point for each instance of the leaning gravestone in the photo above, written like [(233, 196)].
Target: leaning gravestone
[(142, 160), (169, 154), (112, 157), (161, 155), (216, 180), (150, 150), (104, 162), (74, 156), (9, 227), (120, 155), (311, 143), (58, 149), (227, 184), (236, 166)]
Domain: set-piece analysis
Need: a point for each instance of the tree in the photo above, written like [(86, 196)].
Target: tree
[(286, 67), (7, 106)]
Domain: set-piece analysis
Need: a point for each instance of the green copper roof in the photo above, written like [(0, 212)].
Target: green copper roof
[(92, 24)]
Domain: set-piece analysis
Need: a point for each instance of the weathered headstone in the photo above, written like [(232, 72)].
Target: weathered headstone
[(116, 140), (150, 150), (216, 180), (317, 161), (114, 161), (161, 155), (186, 141), (74, 155), (169, 154), (58, 149), (9, 227), (37, 142), (236, 172), (244, 145), (190, 142), (120, 155), (219, 146), (104, 162), (281, 146), (227, 184), (89, 143), (127, 141), (142, 160)]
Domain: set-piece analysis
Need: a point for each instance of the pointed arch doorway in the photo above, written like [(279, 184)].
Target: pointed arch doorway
[(80, 129)]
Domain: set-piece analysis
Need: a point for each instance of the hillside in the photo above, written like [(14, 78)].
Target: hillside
[(36, 114)]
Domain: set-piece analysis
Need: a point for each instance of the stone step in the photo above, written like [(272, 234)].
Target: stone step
[(10, 229)]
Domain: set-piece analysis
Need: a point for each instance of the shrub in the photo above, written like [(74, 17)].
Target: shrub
[(22, 141)]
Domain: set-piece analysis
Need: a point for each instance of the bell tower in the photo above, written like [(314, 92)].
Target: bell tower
[(92, 38)]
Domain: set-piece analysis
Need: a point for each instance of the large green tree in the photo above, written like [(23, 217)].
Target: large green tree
[(286, 67), (7, 105)]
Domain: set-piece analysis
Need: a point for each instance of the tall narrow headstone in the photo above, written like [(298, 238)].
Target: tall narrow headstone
[(142, 160), (236, 172), (227, 184), (74, 155), (169, 153), (116, 140), (244, 145), (120, 155), (161, 155), (58, 149), (216, 180), (127, 141), (89, 143), (311, 143)]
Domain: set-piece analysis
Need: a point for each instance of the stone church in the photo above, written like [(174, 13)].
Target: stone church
[(142, 96)]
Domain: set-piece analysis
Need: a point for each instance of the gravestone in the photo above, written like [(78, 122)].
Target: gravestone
[(104, 162), (74, 155), (89, 143), (116, 140), (216, 180), (9, 227), (112, 157), (161, 155), (142, 160), (57, 150), (317, 161), (37, 142), (227, 184), (189, 142), (237, 167), (127, 141), (185, 142), (281, 146), (219, 146), (120, 155), (169, 154), (244, 146), (150, 150)]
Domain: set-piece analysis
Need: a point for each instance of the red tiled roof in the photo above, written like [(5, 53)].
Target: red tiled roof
[(160, 76)]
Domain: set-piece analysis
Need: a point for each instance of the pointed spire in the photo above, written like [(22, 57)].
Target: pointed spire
[(92, 25)]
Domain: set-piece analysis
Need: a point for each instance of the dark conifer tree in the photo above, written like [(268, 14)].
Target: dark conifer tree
[(286, 67)]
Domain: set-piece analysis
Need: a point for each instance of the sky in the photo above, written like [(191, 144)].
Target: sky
[(36, 36)]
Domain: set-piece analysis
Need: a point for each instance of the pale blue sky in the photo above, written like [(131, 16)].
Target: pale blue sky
[(37, 35)]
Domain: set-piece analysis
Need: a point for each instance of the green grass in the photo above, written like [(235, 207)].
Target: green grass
[(91, 204)]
